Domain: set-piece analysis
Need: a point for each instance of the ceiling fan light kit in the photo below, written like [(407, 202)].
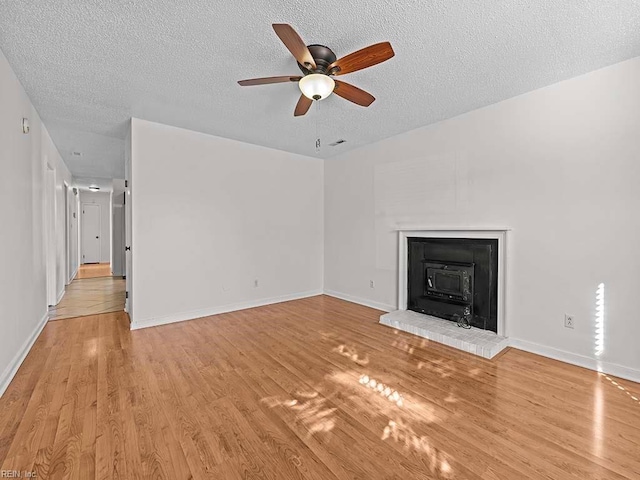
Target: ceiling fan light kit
[(316, 86), (319, 65)]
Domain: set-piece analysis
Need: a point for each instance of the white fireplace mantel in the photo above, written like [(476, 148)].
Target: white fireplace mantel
[(498, 233)]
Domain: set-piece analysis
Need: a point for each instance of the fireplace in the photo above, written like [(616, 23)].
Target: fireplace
[(454, 279), (447, 277)]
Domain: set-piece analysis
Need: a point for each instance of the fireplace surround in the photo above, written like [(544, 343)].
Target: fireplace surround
[(454, 274)]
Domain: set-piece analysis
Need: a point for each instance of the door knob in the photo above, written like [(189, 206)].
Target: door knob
[(97, 237)]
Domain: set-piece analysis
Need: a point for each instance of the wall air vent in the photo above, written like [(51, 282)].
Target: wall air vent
[(336, 143)]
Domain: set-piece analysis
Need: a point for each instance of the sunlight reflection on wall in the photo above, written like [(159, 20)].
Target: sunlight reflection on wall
[(599, 320)]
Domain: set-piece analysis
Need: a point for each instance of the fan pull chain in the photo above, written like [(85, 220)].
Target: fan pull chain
[(317, 102)]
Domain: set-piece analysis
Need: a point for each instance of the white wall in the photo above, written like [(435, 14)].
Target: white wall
[(560, 166), (51, 156), (212, 215), (23, 302), (104, 200)]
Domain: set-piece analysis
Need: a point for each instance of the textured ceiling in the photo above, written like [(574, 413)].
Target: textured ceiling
[(89, 66)]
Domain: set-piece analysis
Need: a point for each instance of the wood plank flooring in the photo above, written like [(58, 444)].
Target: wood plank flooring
[(309, 389), (90, 296), (94, 270)]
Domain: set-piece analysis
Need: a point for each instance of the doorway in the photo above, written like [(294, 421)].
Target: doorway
[(50, 233), (118, 242), (91, 241)]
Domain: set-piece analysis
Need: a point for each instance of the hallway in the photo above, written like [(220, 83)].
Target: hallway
[(94, 291)]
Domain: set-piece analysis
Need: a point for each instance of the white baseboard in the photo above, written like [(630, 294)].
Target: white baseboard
[(73, 276), (13, 367), (361, 301), (206, 312), (579, 360), (60, 295)]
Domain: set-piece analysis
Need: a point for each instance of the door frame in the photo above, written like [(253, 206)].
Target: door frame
[(67, 269), (99, 229), (50, 233)]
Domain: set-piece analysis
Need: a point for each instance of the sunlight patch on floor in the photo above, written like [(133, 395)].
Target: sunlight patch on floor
[(437, 461), (351, 353), (310, 409)]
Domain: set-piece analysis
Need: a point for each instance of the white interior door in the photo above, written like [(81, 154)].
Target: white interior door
[(90, 233)]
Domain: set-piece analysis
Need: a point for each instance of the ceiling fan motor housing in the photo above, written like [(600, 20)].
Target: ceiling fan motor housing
[(323, 57)]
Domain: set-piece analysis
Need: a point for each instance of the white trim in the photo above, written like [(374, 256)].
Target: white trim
[(206, 312), (492, 233), (576, 359), (60, 295), (50, 223), (424, 228), (14, 365), (82, 205), (361, 301)]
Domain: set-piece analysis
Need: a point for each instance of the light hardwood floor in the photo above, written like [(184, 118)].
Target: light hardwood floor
[(287, 391), (91, 293), (94, 270)]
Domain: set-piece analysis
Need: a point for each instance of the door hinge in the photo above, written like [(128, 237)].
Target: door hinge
[(126, 249), (126, 183), (126, 294)]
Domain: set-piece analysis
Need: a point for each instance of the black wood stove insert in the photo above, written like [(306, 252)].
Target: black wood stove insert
[(454, 279)]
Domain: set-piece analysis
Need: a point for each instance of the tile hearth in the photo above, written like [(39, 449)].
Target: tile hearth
[(473, 340)]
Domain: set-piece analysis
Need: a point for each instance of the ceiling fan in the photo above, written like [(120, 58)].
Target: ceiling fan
[(319, 65)]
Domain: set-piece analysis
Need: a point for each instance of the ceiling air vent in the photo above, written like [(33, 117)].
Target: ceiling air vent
[(336, 143)]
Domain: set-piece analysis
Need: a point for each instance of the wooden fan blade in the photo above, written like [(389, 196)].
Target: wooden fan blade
[(303, 106), (294, 43), (367, 57), (267, 80), (353, 94)]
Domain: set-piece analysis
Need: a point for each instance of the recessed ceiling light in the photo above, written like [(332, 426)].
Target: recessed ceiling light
[(94, 188)]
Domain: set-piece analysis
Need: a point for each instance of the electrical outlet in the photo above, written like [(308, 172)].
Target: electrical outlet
[(569, 320), (372, 284), (255, 283)]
